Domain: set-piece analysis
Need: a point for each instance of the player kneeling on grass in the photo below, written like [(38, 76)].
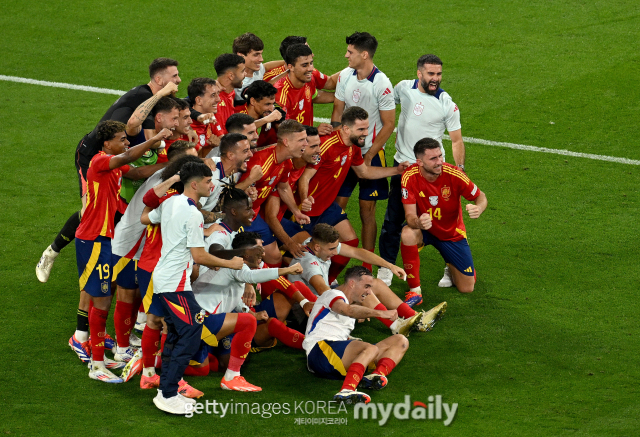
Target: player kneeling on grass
[(328, 335), (220, 293), (316, 261), (431, 191)]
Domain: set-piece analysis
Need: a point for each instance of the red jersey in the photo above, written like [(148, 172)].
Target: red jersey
[(294, 175), (440, 199), (204, 131), (225, 108), (153, 236), (296, 102), (103, 193), (335, 160), (318, 78), (162, 153), (272, 173), (267, 133)]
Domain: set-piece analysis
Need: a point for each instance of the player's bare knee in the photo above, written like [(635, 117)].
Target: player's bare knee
[(401, 341)]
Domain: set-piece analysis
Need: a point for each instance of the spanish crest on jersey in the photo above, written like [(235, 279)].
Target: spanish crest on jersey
[(356, 96), (446, 192), (417, 110)]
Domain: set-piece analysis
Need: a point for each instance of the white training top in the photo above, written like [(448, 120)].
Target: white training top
[(325, 324), (422, 116), (182, 228), (221, 291), (257, 75), (129, 230), (220, 180), (311, 266), (373, 93), (224, 238)]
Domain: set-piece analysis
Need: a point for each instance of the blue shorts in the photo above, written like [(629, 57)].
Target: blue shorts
[(94, 265), (261, 227), (267, 305), (291, 228), (370, 189), (223, 348), (125, 271), (325, 359), (456, 253), (211, 326), (150, 300), (331, 216)]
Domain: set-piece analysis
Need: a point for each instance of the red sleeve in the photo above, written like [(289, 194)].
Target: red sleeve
[(151, 199), (407, 194), (162, 156), (357, 157), (100, 163), (125, 168), (470, 191), (335, 299), (319, 79)]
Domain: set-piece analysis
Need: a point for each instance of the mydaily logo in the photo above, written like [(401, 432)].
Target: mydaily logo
[(406, 410)]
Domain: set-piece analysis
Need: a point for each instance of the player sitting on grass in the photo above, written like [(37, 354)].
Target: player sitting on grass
[(328, 335), (325, 243)]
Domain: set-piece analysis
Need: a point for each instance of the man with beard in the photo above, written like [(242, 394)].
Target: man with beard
[(230, 70), (426, 111), (243, 124), (320, 184)]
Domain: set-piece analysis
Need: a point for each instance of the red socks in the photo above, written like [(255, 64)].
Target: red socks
[(411, 263), (288, 336), (150, 344), (385, 366), (213, 363), (305, 291), (339, 262), (197, 371), (405, 311), (123, 322), (386, 322), (367, 265), (245, 329), (354, 375), (97, 330)]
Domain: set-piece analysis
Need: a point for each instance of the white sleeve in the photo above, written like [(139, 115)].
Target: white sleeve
[(218, 237), (452, 115), (341, 84), (155, 215), (396, 92), (257, 276), (385, 94), (195, 226), (309, 269)]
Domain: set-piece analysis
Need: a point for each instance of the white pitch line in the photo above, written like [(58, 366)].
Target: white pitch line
[(469, 140)]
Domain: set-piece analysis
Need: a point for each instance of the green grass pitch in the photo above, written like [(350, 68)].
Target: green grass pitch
[(547, 343)]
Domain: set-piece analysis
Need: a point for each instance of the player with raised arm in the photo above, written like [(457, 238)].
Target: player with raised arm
[(275, 164), (297, 90), (325, 244), (204, 97), (426, 112), (182, 245), (93, 241), (431, 191), (333, 354), (320, 184), (363, 84), (162, 71), (230, 69), (250, 47)]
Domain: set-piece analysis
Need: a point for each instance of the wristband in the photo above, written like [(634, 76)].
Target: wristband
[(461, 166), (303, 302)]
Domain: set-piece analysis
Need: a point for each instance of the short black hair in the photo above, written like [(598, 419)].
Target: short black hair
[(296, 51), (289, 41), (231, 197), (174, 167), (247, 42), (236, 123), (226, 62), (429, 59), (164, 105), (245, 239), (363, 42), (350, 115), (160, 64), (194, 170), (312, 131), (107, 130), (356, 273), (182, 105), (178, 148), (425, 144), (198, 87), (229, 141), (258, 90)]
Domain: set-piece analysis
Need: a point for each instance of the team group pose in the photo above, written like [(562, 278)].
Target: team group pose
[(219, 220)]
